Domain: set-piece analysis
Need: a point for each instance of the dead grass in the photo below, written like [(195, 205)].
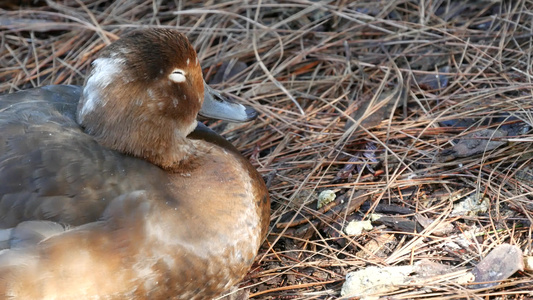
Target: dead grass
[(355, 96)]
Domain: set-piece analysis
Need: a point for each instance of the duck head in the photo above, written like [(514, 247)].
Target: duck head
[(144, 93)]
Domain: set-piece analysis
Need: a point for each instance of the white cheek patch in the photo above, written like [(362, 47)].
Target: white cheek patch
[(178, 75), (105, 70)]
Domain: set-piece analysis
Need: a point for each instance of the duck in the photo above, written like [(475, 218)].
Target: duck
[(115, 190)]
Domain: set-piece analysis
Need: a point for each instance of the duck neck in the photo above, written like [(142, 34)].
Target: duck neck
[(174, 155), (163, 143)]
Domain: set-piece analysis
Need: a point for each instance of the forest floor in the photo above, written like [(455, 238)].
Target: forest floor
[(411, 118)]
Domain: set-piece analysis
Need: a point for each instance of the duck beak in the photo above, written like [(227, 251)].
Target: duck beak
[(217, 106)]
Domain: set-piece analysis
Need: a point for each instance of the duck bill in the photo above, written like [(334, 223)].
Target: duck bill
[(217, 106)]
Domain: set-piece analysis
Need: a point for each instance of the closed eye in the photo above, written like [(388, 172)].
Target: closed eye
[(178, 75)]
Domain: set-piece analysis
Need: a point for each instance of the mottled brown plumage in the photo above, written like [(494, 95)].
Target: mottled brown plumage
[(130, 205)]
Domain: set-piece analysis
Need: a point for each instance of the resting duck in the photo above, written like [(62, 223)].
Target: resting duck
[(117, 192)]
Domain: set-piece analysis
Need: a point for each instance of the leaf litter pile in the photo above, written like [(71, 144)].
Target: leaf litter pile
[(395, 136)]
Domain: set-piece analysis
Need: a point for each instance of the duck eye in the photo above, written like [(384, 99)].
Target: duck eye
[(178, 75)]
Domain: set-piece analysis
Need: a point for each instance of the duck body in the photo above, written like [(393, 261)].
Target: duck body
[(133, 213)]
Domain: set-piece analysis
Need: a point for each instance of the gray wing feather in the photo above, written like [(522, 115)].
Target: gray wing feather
[(51, 170)]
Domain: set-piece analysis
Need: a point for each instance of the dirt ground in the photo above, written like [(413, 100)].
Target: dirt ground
[(414, 116)]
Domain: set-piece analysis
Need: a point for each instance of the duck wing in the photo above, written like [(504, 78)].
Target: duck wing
[(51, 170)]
